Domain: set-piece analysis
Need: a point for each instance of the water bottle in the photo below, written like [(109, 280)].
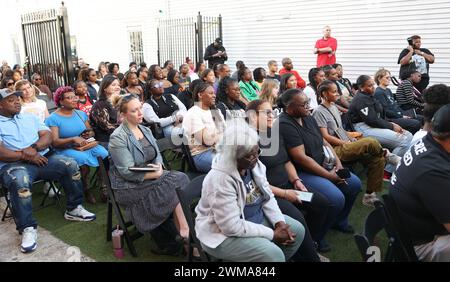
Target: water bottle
[(117, 243)]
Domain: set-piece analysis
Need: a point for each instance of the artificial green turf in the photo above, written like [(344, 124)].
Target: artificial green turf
[(90, 237)]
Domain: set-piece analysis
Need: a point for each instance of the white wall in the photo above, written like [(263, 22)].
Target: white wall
[(370, 34), (11, 29)]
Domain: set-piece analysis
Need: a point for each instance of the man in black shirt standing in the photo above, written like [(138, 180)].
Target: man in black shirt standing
[(421, 190), (414, 58), (215, 53)]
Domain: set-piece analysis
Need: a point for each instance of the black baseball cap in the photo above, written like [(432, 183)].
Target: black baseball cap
[(8, 92), (441, 120), (218, 40)]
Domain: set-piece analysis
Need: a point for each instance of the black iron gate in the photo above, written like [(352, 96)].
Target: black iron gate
[(47, 46), (187, 37)]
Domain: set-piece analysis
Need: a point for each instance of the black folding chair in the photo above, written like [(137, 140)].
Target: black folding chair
[(403, 246), (188, 197), (130, 235), (4, 193), (395, 81), (57, 194), (191, 170), (57, 199), (374, 223), (165, 145)]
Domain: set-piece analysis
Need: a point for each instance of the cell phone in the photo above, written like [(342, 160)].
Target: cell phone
[(343, 173), (304, 196)]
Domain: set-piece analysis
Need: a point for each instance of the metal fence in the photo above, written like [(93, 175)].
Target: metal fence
[(47, 46), (186, 37)]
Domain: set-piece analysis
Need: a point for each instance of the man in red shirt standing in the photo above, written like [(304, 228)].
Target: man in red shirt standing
[(326, 49), (288, 68)]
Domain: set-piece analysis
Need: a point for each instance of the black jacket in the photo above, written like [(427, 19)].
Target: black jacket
[(364, 108), (211, 50), (386, 99)]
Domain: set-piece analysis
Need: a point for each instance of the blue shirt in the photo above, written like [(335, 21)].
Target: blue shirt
[(20, 132), (68, 126), (253, 202)]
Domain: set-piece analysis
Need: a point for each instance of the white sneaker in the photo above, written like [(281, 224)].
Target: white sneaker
[(29, 237), (369, 199), (391, 158), (323, 258), (46, 189), (79, 214)]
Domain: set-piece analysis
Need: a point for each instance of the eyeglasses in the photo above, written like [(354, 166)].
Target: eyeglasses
[(267, 112), (306, 104)]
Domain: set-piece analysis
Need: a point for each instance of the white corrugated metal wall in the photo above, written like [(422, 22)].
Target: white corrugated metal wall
[(370, 34)]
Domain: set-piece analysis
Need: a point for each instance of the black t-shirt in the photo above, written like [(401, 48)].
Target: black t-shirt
[(308, 135), (274, 157), (412, 65), (276, 76), (186, 98), (421, 189), (235, 110)]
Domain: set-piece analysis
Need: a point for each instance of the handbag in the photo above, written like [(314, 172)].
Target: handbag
[(329, 162), (86, 147)]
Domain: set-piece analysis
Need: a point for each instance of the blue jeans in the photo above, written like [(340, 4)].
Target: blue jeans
[(341, 198), (203, 161), (396, 143), (18, 177)]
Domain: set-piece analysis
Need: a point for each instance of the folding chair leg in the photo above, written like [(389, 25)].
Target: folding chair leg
[(56, 191), (109, 222), (130, 244), (4, 213)]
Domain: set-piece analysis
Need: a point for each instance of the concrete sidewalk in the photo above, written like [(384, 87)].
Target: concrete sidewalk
[(50, 248)]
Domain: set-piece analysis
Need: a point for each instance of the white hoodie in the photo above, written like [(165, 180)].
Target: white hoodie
[(220, 211)]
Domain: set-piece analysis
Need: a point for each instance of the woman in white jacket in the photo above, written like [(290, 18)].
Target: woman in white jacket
[(238, 218)]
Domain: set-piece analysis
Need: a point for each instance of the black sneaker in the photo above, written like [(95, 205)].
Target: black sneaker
[(323, 247), (174, 249), (347, 229)]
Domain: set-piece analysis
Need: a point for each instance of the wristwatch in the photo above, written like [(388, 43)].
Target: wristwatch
[(34, 146)]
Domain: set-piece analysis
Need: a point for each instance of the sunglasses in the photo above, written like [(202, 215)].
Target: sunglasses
[(157, 85), (129, 97), (10, 84)]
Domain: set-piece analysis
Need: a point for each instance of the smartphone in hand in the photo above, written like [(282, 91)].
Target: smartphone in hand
[(343, 173)]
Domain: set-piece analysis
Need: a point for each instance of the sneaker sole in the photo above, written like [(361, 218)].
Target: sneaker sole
[(75, 218), (28, 250)]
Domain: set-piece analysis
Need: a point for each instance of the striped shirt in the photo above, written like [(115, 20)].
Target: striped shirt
[(406, 96)]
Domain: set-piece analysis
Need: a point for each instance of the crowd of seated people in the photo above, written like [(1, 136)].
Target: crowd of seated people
[(298, 140)]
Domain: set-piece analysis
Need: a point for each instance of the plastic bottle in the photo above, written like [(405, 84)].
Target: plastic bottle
[(117, 243)]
